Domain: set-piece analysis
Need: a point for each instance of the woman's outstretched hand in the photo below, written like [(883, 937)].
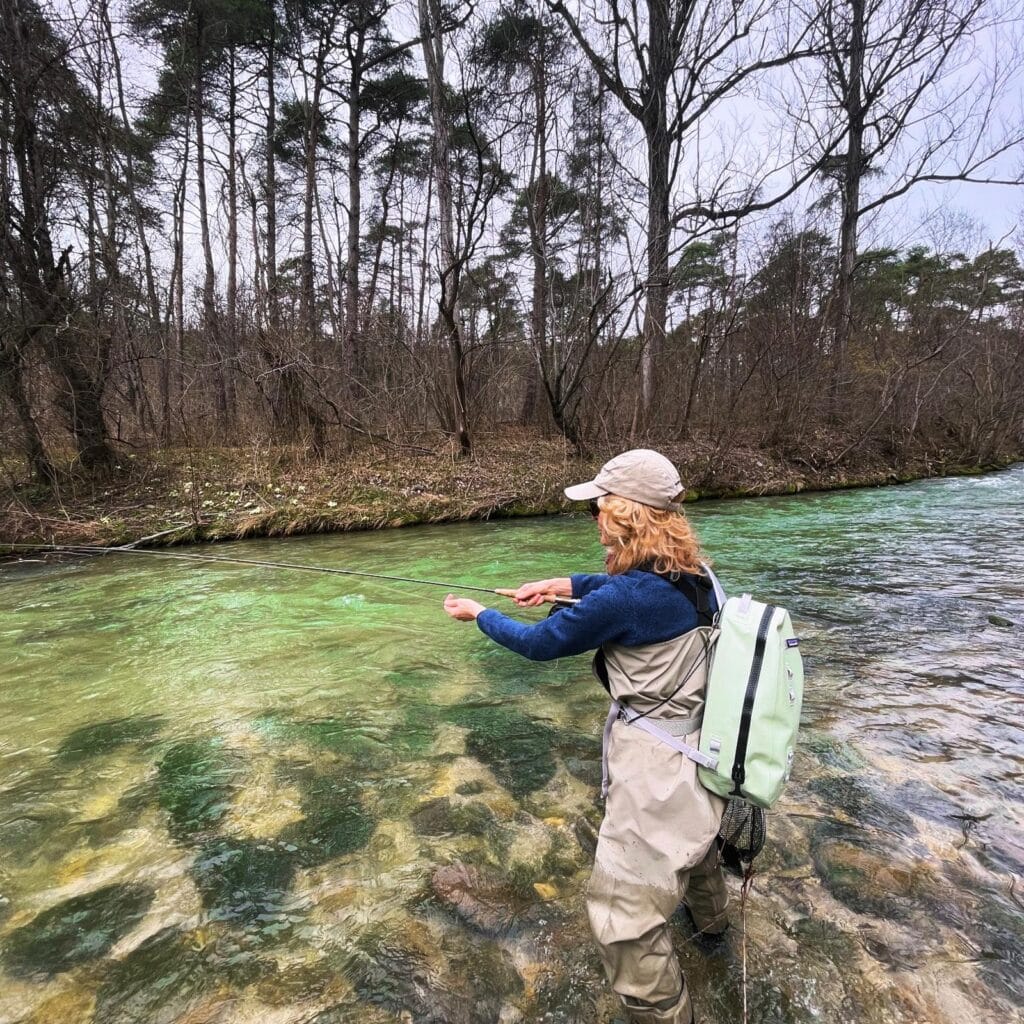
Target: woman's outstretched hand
[(462, 608)]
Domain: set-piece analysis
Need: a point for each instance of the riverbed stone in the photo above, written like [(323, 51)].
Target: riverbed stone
[(155, 983), (516, 748), (831, 751), (866, 809), (481, 897), (79, 929), (581, 754), (534, 853), (927, 802), (443, 816), (431, 975), (992, 923), (869, 881), (334, 824), (195, 781), (244, 880), (104, 737)]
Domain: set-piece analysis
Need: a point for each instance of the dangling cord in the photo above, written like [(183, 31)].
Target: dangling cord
[(745, 888)]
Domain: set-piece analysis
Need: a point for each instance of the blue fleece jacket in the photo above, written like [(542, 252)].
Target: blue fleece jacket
[(633, 608)]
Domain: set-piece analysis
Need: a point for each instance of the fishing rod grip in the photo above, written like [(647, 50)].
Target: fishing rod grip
[(557, 600)]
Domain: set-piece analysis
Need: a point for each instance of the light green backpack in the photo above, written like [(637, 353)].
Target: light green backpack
[(755, 687), (752, 707)]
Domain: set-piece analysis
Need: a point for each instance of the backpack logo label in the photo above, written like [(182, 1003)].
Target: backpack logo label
[(793, 642)]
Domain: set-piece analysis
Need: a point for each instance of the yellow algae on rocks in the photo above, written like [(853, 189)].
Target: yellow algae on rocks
[(264, 807), (67, 1007), (339, 900), (101, 805), (554, 822), (545, 890), (460, 772), (501, 803), (81, 863)]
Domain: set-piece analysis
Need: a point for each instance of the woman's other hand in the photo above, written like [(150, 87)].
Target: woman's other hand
[(529, 595), (462, 608)]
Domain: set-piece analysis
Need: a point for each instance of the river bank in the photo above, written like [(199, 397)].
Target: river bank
[(186, 495)]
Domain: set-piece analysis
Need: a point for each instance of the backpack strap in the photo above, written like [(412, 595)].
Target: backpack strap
[(719, 589), (619, 710), (696, 589)]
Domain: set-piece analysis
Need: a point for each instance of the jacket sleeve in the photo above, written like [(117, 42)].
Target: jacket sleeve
[(584, 582), (597, 619)]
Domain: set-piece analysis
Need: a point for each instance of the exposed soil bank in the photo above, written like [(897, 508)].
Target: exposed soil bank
[(229, 493)]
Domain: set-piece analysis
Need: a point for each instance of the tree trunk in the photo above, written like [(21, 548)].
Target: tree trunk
[(538, 246), (658, 156), (351, 356), (853, 170), (175, 388), (12, 384), (211, 333), (433, 53), (273, 311), (231, 332), (307, 293)]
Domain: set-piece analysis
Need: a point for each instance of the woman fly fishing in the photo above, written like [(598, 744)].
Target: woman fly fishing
[(648, 618)]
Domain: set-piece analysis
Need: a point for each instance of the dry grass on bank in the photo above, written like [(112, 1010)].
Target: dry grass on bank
[(226, 493)]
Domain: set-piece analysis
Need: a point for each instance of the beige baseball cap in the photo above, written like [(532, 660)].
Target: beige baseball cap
[(640, 474)]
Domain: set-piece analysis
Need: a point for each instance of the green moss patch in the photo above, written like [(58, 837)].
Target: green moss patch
[(518, 749), (335, 822), (103, 737), (245, 880), (194, 785), (80, 929), (155, 983)]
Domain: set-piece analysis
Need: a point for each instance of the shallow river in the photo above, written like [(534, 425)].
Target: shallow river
[(232, 794)]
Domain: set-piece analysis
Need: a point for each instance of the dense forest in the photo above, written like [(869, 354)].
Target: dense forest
[(320, 222)]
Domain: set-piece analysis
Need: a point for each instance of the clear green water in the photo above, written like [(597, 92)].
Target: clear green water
[(232, 794)]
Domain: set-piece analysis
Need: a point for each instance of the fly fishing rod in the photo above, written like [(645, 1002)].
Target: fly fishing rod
[(127, 549)]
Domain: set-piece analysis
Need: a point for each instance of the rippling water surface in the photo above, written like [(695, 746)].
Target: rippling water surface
[(232, 794)]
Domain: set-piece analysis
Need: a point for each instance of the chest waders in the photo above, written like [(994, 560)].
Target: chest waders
[(656, 843)]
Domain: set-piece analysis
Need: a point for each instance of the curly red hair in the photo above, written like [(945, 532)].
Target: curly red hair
[(639, 535)]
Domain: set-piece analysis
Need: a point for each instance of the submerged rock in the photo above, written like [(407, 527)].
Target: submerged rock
[(103, 737), (514, 746), (865, 809), (433, 976), (445, 817), (334, 821), (1001, 621), (339, 735), (830, 751), (926, 802), (82, 928), (869, 881), (194, 786), (156, 983), (485, 899), (245, 880)]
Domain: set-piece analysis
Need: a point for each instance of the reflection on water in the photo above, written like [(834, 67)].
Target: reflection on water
[(232, 794)]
